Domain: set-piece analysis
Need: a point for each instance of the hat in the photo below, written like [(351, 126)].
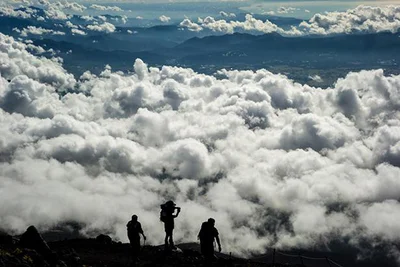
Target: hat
[(170, 203)]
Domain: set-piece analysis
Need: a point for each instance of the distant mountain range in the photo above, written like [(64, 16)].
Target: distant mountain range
[(298, 57), (240, 51)]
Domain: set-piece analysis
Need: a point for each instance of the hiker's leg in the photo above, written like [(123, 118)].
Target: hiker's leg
[(171, 239), (166, 239)]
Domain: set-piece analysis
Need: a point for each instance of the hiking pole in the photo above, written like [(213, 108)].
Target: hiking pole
[(144, 244)]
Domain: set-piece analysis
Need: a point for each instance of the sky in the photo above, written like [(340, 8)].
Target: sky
[(193, 8)]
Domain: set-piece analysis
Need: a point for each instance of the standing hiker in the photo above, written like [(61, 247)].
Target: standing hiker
[(207, 234), (134, 230), (167, 216)]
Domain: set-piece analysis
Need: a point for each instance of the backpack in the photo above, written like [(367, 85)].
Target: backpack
[(133, 228), (163, 213)]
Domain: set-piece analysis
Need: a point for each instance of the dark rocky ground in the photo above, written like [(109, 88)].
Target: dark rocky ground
[(30, 250), (89, 252)]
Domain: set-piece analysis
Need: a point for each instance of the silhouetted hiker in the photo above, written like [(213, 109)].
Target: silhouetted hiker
[(134, 230), (167, 216), (207, 234)]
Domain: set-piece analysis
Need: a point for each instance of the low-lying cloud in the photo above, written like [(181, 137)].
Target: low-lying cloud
[(33, 30), (276, 163), (104, 27), (362, 19), (105, 8), (164, 18)]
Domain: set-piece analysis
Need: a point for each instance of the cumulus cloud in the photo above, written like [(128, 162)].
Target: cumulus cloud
[(11, 12), (37, 31), (105, 8), (316, 78), (227, 15), (16, 60), (74, 6), (104, 27), (250, 24), (363, 19), (52, 10), (191, 26), (276, 163), (164, 18), (77, 31), (286, 10), (87, 18)]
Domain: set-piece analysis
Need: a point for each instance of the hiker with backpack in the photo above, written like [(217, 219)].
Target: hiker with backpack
[(167, 216), (134, 229), (207, 234)]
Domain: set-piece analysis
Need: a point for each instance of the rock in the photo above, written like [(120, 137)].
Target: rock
[(104, 239), (21, 258), (6, 239), (33, 240)]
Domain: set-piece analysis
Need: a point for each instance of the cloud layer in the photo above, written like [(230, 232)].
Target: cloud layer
[(362, 19), (276, 163)]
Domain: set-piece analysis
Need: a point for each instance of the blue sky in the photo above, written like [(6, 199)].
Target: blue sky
[(179, 9), (192, 8)]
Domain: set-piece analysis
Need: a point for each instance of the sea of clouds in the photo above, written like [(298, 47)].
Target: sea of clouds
[(276, 163)]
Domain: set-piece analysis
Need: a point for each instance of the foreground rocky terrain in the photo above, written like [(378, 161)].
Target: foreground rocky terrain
[(31, 250)]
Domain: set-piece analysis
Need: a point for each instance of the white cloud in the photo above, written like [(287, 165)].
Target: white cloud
[(69, 24), (271, 12), (316, 78), (106, 8), (77, 31), (10, 12), (74, 6), (164, 18), (191, 26), (104, 27), (17, 61), (286, 10), (227, 15), (127, 143), (361, 19), (102, 18), (38, 31), (54, 12), (250, 24), (87, 18)]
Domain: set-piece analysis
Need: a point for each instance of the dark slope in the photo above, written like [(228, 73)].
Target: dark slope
[(78, 59), (298, 58), (264, 44), (91, 252)]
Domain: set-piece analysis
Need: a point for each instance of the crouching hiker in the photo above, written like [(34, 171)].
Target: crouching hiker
[(134, 230), (207, 234)]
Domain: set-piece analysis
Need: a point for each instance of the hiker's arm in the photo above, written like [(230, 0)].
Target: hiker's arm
[(219, 243), (177, 213), (141, 231)]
